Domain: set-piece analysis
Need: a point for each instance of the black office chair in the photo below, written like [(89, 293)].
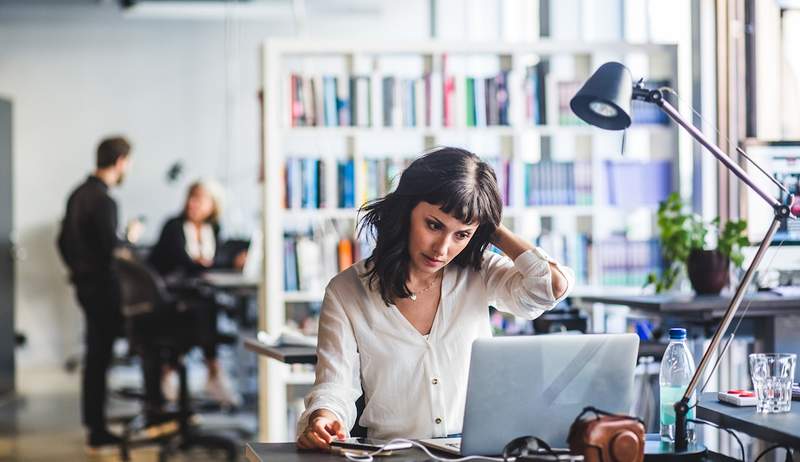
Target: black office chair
[(155, 334)]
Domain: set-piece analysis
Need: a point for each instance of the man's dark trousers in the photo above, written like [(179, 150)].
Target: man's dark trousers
[(99, 298)]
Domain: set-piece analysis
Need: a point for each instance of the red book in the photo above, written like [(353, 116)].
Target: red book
[(449, 92)]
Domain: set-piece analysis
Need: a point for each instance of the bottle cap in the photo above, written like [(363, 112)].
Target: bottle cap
[(677, 333)]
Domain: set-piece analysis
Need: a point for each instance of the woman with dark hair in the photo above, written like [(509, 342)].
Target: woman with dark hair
[(401, 323)]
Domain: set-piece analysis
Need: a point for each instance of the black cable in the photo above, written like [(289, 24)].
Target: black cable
[(732, 433), (772, 448)]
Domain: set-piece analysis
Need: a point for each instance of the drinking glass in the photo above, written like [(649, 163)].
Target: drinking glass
[(772, 375)]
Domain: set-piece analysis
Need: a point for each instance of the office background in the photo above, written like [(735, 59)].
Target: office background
[(184, 87)]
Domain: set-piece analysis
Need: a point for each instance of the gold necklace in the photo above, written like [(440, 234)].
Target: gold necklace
[(413, 295)]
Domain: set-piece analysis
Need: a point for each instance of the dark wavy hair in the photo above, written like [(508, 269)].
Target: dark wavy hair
[(456, 180)]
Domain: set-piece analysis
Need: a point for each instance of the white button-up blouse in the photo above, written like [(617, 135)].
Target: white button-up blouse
[(415, 387)]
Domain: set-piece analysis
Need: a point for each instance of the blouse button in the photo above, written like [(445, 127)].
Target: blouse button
[(438, 420), (435, 381)]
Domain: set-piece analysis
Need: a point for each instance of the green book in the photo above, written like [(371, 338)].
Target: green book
[(470, 102)]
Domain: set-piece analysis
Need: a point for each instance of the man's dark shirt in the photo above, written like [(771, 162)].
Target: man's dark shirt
[(89, 232)]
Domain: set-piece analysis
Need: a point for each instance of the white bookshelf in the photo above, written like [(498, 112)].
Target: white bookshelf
[(518, 142)]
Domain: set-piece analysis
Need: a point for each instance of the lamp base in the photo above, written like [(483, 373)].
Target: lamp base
[(658, 451)]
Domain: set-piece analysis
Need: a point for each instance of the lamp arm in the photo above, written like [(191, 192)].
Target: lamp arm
[(657, 97)]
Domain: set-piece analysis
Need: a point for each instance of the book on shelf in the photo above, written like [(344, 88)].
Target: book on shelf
[(330, 105), (432, 99), (342, 101), (312, 259), (448, 97), (309, 262), (582, 261), (558, 183), (304, 183), (626, 262), (361, 101), (535, 96), (346, 183), (381, 176)]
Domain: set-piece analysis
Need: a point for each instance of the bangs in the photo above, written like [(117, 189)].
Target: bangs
[(466, 203)]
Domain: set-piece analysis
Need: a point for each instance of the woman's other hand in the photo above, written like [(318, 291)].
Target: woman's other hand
[(204, 262), (323, 427)]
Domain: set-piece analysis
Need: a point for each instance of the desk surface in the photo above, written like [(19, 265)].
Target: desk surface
[(777, 428), (288, 452), (285, 354), (760, 303)]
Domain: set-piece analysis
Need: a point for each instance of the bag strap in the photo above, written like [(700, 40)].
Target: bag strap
[(600, 412)]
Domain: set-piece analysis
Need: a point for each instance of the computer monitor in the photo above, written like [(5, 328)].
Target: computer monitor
[(781, 160)]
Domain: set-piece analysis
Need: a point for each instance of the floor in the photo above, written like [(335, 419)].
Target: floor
[(42, 423)]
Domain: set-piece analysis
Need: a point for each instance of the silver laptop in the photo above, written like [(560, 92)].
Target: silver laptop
[(537, 385)]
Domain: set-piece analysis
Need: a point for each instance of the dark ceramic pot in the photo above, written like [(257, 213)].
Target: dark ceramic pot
[(708, 271)]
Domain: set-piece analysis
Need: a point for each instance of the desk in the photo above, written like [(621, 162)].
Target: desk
[(288, 452), (775, 428), (284, 354), (777, 317)]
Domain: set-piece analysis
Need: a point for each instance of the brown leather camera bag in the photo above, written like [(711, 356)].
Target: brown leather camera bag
[(607, 437)]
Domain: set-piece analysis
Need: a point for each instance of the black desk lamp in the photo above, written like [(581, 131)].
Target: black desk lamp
[(605, 101)]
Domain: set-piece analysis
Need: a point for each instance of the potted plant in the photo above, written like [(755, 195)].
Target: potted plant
[(683, 246)]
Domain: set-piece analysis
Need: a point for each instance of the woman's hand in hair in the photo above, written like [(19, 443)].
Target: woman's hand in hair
[(504, 239), (513, 246), (323, 427)]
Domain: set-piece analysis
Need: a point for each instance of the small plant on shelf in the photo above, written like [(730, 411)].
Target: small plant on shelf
[(683, 246)]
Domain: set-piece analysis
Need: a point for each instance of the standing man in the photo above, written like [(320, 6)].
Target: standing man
[(86, 242)]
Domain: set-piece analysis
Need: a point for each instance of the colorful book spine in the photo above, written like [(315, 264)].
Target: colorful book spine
[(626, 262), (557, 183)]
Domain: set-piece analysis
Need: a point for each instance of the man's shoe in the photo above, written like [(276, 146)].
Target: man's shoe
[(158, 424)]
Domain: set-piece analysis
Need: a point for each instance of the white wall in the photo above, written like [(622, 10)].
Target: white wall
[(179, 89)]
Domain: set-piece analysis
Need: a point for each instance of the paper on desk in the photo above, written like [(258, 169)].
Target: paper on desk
[(787, 291), (287, 337)]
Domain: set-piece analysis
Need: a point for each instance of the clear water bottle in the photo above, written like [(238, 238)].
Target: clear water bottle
[(677, 368)]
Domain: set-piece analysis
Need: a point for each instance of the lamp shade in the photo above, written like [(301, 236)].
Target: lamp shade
[(605, 99)]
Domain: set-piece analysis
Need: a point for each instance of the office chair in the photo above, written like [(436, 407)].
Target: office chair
[(150, 311)]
